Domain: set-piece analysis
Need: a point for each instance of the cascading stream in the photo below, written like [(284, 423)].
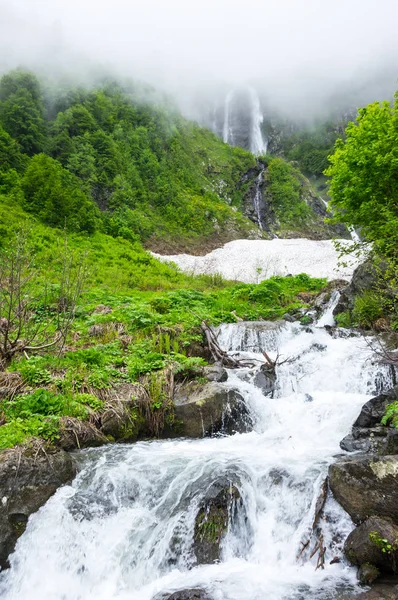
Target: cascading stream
[(124, 529), (258, 199)]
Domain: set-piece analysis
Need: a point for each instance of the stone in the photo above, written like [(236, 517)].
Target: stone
[(364, 439), (189, 594), (213, 521), (265, 379), (373, 411), (28, 478), (378, 592), (366, 485), (215, 373), (367, 574), (362, 546), (364, 279), (203, 410)]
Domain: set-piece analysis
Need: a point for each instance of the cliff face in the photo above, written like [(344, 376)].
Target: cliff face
[(283, 203)]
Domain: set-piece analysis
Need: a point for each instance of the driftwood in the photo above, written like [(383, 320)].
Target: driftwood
[(319, 547), (320, 503)]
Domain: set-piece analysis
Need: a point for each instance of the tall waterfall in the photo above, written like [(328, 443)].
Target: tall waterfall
[(227, 130), (242, 121), (258, 145), (124, 528)]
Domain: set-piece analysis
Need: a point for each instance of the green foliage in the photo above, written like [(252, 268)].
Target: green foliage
[(54, 195), (285, 184), (391, 415), (364, 176), (20, 430), (22, 110), (344, 319), (385, 545), (367, 309)]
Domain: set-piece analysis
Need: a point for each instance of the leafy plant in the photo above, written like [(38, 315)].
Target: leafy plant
[(391, 415)]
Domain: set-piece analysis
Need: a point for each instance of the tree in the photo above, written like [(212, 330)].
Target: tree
[(54, 195), (22, 110), (35, 314), (364, 176)]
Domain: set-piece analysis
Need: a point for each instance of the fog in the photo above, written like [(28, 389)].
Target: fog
[(297, 53)]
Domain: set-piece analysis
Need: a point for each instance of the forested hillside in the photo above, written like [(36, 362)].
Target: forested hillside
[(103, 160)]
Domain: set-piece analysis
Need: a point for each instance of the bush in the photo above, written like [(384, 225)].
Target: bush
[(367, 309)]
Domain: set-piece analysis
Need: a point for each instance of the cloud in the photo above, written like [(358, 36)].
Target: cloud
[(290, 49)]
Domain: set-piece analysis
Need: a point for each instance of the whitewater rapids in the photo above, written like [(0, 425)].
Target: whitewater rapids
[(252, 261), (124, 529)]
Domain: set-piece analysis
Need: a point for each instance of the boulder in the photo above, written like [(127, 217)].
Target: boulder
[(378, 592), (373, 411), (28, 477), (265, 379), (364, 440), (366, 486), (364, 279), (216, 373), (367, 574), (192, 594), (202, 410), (368, 435), (213, 520), (364, 547)]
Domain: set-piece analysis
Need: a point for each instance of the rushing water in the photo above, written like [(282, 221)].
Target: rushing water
[(243, 120), (258, 198), (124, 529)]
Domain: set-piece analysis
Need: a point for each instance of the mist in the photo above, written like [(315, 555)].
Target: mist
[(301, 55)]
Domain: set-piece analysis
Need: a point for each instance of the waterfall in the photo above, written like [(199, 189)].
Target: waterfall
[(227, 130), (327, 318), (258, 145), (124, 528), (242, 121), (258, 199)]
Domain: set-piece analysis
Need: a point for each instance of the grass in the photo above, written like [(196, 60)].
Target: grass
[(137, 317)]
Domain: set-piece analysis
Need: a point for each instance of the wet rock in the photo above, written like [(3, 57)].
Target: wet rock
[(368, 435), (366, 486), (213, 520), (215, 373), (265, 379), (364, 545), (367, 574), (364, 278), (378, 592), (373, 411), (193, 594), (28, 477), (288, 318), (362, 439), (202, 410)]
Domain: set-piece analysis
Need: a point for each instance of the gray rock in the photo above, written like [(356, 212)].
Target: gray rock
[(265, 379), (364, 278), (366, 486), (364, 439), (28, 477), (361, 549), (215, 373), (288, 318), (203, 410), (373, 411), (192, 594), (378, 592), (213, 521), (367, 574)]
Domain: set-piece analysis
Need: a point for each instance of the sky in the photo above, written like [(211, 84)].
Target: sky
[(292, 49)]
